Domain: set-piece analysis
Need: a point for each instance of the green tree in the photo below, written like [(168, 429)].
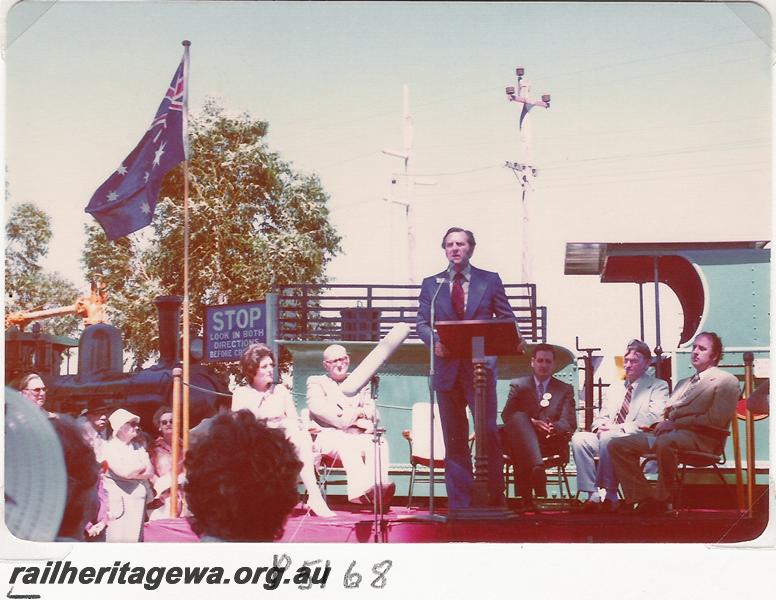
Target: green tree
[(27, 286), (255, 222), (121, 265)]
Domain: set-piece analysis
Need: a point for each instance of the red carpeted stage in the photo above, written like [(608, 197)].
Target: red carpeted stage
[(557, 522)]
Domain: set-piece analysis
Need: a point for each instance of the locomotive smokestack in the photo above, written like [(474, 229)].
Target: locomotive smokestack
[(169, 328)]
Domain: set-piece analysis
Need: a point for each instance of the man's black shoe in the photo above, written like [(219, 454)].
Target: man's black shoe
[(529, 506), (651, 507), (498, 501), (608, 507), (539, 482)]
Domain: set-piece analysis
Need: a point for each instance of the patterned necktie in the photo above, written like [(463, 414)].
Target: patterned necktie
[(695, 379), (457, 296), (625, 405), (540, 390)]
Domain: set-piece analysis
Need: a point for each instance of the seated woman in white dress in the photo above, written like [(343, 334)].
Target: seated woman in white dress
[(275, 404)]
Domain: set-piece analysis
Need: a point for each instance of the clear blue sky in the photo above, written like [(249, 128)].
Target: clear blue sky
[(659, 129)]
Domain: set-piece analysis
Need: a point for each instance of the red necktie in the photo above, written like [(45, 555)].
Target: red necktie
[(625, 405), (458, 298)]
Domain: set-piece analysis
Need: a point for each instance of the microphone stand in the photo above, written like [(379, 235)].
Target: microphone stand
[(432, 396), (377, 432), (431, 517)]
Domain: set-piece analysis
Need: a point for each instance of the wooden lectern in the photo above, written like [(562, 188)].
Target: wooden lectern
[(476, 340)]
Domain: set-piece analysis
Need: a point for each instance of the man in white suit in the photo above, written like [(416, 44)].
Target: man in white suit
[(629, 408), (697, 417), (347, 425)]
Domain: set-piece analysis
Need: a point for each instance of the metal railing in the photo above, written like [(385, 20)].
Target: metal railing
[(367, 312)]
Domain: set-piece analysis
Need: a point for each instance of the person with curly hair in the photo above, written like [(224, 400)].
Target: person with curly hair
[(241, 480), (274, 404)]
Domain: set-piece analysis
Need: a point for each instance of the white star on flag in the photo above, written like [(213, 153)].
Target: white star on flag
[(112, 196), (158, 155), (122, 170), (145, 208)]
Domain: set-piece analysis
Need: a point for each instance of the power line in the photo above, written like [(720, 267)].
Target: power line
[(449, 174), (659, 153)]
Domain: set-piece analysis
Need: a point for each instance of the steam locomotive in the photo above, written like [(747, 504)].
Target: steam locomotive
[(100, 380)]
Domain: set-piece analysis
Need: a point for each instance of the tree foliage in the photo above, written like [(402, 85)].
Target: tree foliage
[(255, 222), (121, 266), (27, 286)]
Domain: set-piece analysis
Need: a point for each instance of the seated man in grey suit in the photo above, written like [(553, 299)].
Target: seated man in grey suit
[(347, 426), (697, 417), (539, 414), (629, 408)]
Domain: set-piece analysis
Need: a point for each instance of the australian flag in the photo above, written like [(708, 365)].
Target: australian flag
[(127, 200)]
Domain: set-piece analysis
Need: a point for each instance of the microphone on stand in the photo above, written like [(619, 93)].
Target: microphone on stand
[(374, 384), (440, 281)]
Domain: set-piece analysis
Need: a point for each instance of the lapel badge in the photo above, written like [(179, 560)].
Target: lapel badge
[(545, 401)]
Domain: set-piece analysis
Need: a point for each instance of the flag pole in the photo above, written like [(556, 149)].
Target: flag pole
[(186, 333), (180, 399)]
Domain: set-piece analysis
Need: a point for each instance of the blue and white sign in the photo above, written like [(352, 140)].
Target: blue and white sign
[(230, 328)]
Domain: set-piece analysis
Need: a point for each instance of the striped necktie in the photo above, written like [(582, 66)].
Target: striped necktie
[(625, 405)]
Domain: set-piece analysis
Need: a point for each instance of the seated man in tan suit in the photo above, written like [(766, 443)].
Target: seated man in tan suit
[(697, 417), (347, 425)]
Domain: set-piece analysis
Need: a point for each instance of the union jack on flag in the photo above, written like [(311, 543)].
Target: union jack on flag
[(127, 200)]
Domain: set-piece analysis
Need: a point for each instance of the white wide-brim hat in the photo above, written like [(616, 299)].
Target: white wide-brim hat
[(35, 473), (121, 417)]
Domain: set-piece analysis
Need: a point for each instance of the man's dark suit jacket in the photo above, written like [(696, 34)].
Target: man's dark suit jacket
[(560, 412), (486, 298)]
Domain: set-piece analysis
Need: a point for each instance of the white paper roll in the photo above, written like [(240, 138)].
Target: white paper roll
[(359, 377)]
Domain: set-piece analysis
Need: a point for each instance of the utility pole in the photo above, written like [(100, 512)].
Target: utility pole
[(407, 134), (409, 182), (524, 171)]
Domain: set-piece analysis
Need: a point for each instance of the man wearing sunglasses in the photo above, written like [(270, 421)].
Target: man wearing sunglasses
[(32, 387), (347, 426)]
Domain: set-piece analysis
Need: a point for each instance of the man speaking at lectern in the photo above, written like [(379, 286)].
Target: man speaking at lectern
[(463, 292)]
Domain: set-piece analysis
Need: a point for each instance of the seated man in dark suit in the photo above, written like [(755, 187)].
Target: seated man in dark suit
[(697, 417), (538, 417)]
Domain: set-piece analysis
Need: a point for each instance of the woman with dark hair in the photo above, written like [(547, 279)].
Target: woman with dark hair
[(161, 459), (242, 478), (274, 404)]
